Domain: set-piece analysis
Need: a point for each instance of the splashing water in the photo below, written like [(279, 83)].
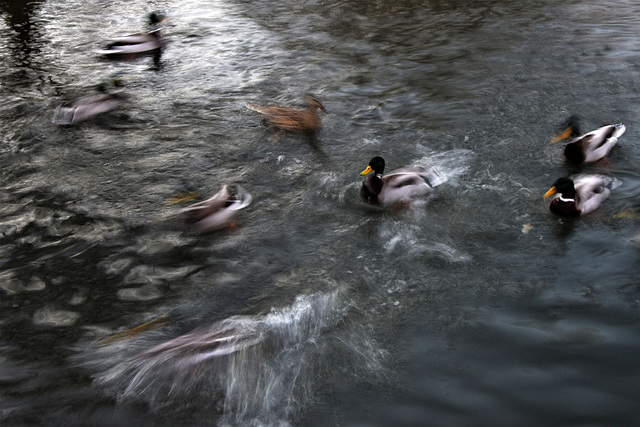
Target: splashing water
[(256, 370)]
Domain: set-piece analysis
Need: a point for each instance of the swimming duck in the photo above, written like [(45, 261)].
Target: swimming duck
[(580, 195), (136, 45), (398, 186), (591, 146), (292, 119), (88, 107), (218, 211)]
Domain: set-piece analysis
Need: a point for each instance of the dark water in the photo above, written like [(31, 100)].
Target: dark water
[(475, 306)]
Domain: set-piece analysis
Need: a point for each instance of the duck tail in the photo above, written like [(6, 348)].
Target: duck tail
[(64, 115), (257, 108), (619, 130), (241, 197), (432, 176), (613, 183)]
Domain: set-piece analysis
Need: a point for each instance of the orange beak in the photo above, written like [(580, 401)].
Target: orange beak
[(564, 135), (551, 192)]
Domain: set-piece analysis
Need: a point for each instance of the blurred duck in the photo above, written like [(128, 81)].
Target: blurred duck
[(580, 195), (136, 45), (219, 211), (292, 119), (399, 186), (88, 107), (590, 147)]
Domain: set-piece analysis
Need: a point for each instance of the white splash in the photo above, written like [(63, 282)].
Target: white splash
[(450, 165), (257, 370)]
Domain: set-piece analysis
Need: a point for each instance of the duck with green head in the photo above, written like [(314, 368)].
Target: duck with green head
[(591, 146), (399, 186), (136, 45), (580, 195), (88, 107)]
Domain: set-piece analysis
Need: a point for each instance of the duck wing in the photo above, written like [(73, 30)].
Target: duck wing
[(404, 179), (414, 175), (222, 338), (218, 211), (269, 110), (87, 108), (594, 145), (287, 118), (402, 186), (132, 44), (201, 210), (130, 39), (591, 191)]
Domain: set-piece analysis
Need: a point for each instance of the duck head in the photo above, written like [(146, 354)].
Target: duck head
[(314, 104), (155, 17), (570, 128), (376, 164), (564, 186)]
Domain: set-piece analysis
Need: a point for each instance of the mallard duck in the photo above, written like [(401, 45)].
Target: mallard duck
[(88, 107), (398, 186), (218, 211), (590, 147), (136, 45), (580, 195), (292, 119)]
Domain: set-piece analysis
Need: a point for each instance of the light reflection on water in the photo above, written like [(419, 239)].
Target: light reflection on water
[(446, 312)]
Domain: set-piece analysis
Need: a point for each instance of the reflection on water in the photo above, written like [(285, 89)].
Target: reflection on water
[(26, 33), (466, 307)]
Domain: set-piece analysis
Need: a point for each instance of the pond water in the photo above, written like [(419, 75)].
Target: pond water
[(471, 306)]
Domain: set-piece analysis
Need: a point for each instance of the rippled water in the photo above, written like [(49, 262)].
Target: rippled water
[(474, 306)]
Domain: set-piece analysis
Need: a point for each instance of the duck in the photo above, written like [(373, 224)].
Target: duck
[(399, 186), (219, 211), (579, 195), (88, 107), (292, 119), (591, 146), (135, 45)]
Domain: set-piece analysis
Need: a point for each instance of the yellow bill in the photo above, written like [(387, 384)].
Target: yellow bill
[(563, 135), (184, 197), (551, 192)]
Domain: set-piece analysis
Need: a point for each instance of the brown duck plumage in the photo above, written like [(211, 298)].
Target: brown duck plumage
[(292, 119)]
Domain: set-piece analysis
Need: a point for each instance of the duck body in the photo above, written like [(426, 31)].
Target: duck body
[(579, 195), (88, 107), (133, 46), (592, 146), (292, 119), (217, 212), (396, 187), (136, 45)]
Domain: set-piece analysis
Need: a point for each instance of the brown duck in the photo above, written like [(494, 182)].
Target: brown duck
[(292, 119)]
